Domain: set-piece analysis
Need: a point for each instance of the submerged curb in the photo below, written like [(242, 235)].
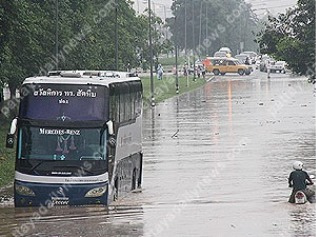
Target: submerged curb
[(210, 79)]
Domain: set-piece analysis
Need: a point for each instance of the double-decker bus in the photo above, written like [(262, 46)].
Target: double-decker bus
[(78, 138)]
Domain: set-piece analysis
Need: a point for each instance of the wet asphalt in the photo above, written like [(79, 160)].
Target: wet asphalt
[(216, 162)]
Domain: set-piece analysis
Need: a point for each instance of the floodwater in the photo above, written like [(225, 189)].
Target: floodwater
[(216, 163)]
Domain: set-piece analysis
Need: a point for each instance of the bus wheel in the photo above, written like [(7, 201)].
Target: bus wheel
[(134, 180), (139, 181), (116, 190)]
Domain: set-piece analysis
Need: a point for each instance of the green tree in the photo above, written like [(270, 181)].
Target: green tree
[(291, 37), (207, 25), (26, 41), (86, 37)]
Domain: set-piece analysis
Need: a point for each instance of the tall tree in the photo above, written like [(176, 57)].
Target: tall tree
[(20, 47), (291, 37), (86, 37), (207, 25)]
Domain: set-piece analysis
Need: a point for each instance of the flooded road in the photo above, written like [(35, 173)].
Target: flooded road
[(216, 163)]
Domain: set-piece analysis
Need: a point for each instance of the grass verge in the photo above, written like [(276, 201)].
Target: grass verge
[(166, 88), (7, 156), (171, 61)]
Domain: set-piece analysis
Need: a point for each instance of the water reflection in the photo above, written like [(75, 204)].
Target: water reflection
[(75, 221), (303, 220), (216, 163), (247, 197)]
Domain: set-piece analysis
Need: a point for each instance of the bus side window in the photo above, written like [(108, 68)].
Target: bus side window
[(127, 115), (117, 108), (112, 108), (122, 107), (138, 104), (133, 99), (114, 104)]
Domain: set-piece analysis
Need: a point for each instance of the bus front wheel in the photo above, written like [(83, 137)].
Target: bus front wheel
[(134, 180), (116, 191)]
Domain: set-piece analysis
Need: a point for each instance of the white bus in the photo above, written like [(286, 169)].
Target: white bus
[(78, 138)]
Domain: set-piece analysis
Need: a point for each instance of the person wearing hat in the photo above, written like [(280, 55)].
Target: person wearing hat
[(297, 181)]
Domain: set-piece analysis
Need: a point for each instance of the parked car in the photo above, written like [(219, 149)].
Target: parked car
[(220, 54), (278, 66), (230, 65), (226, 50), (252, 56), (241, 57)]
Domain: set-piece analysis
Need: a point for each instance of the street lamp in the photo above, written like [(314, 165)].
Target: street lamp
[(185, 28), (176, 52), (151, 55), (193, 30)]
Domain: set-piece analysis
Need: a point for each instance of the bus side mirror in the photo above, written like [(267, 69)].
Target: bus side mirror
[(110, 126), (10, 141), (10, 135)]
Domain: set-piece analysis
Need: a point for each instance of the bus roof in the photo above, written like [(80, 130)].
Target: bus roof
[(83, 77)]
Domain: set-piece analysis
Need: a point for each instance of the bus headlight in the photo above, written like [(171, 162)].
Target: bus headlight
[(96, 192), (23, 190)]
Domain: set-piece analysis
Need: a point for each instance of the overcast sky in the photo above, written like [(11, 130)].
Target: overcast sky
[(260, 6)]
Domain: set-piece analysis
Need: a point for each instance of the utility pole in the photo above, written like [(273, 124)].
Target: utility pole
[(151, 55), (193, 30), (57, 32), (176, 52), (116, 36), (185, 28), (185, 42), (206, 26), (200, 33)]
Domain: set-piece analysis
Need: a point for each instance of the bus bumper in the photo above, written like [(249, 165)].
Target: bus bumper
[(39, 194)]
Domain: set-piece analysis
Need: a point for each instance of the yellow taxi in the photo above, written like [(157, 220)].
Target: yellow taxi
[(226, 65), (209, 62)]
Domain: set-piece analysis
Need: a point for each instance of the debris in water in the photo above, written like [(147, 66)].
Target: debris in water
[(176, 134)]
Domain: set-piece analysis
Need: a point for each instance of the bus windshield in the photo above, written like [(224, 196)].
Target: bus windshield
[(42, 143), (64, 102)]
